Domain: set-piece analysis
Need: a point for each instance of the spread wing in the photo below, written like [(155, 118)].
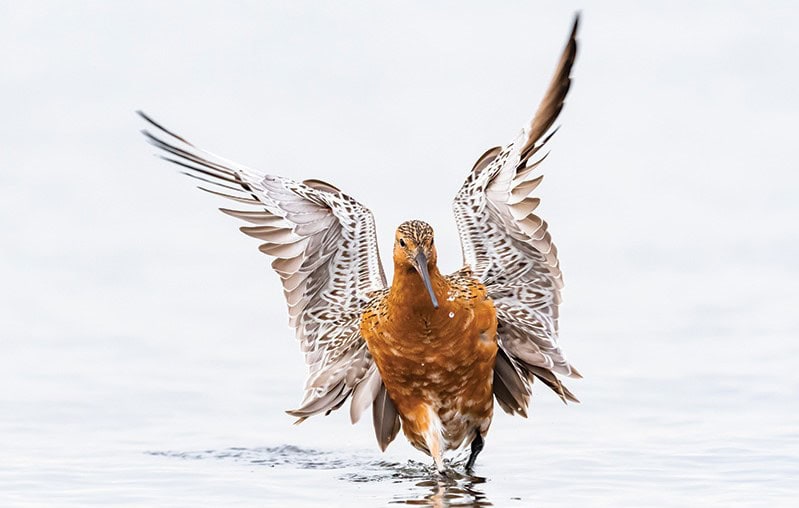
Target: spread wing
[(325, 251), (509, 249)]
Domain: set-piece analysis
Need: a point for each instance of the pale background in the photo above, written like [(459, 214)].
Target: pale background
[(134, 317)]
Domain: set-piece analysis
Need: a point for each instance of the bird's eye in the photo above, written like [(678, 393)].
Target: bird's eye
[(402, 242)]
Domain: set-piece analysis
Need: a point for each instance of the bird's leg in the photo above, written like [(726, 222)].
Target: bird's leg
[(438, 458), (477, 447)]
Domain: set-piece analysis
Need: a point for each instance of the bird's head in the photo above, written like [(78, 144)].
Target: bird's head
[(414, 251)]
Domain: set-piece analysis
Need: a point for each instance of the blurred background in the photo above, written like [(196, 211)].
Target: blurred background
[(144, 353)]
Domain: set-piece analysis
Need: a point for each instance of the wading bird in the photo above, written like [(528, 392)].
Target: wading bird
[(430, 353)]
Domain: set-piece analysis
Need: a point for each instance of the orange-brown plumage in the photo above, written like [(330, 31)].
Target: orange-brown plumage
[(437, 363)]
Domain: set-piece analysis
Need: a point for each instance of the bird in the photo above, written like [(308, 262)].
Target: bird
[(430, 353)]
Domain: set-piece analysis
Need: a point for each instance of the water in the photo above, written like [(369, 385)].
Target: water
[(144, 356), (696, 413)]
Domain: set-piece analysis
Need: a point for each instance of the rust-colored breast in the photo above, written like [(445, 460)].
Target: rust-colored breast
[(438, 360)]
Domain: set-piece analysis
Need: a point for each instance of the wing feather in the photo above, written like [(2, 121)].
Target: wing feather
[(385, 418), (326, 255), (509, 249)]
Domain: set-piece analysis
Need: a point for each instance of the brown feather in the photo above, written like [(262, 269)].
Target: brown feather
[(552, 103), (385, 418)]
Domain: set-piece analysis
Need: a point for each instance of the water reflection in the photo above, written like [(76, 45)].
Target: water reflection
[(423, 485), (443, 492)]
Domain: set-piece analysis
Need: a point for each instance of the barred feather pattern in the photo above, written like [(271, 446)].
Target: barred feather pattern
[(509, 249), (325, 251)]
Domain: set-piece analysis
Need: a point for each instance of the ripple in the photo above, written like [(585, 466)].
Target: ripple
[(421, 483), (268, 456)]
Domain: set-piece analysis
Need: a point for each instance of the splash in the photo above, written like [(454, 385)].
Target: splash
[(419, 483)]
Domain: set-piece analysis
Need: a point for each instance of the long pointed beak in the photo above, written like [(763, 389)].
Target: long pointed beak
[(421, 266)]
